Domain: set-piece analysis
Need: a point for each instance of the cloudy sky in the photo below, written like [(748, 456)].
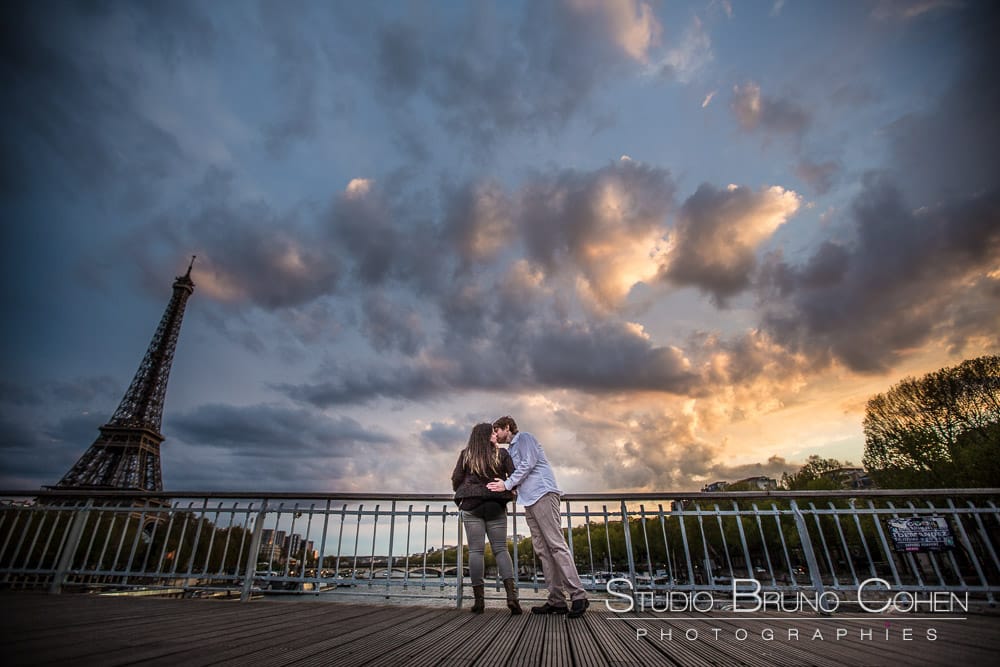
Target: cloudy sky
[(679, 242)]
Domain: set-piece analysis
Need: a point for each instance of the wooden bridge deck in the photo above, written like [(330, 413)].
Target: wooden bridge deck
[(39, 629)]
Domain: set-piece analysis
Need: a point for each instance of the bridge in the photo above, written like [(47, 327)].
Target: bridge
[(831, 578)]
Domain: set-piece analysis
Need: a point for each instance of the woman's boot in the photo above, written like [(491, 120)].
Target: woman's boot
[(512, 603), (480, 604)]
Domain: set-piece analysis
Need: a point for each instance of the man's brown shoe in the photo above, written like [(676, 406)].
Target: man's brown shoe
[(577, 608)]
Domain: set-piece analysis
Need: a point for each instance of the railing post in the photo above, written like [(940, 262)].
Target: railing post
[(684, 539), (969, 550), (69, 549), (197, 538), (569, 532), (628, 544), (258, 531), (392, 532), (807, 548), (460, 566), (517, 567)]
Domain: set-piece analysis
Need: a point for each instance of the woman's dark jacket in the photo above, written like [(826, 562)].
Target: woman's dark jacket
[(471, 494)]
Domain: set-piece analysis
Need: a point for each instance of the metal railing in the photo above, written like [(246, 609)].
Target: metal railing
[(394, 545)]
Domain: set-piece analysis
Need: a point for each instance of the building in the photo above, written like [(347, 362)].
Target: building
[(271, 547), (850, 478), (758, 483), (715, 486), (293, 545)]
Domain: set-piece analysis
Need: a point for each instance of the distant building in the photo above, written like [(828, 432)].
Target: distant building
[(269, 552), (715, 486), (850, 478), (270, 546), (758, 483)]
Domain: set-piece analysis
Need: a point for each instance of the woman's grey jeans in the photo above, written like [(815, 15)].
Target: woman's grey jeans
[(476, 531)]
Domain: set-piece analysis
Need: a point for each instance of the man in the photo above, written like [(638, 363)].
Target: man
[(538, 494)]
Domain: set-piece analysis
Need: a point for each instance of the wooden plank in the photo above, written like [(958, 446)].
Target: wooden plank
[(340, 634), (973, 640), (509, 636), (482, 634), (615, 648), (115, 644), (778, 651), (386, 626), (360, 653), (653, 648), (43, 621), (555, 639), (527, 652), (435, 643), (583, 645), (75, 636), (219, 637), (224, 641)]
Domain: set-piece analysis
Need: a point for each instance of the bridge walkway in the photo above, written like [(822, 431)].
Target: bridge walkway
[(39, 629)]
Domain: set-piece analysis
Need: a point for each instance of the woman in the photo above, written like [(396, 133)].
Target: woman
[(484, 513)]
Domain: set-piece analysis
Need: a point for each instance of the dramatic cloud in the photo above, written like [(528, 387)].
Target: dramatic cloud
[(618, 357), (771, 115), (922, 266), (820, 176), (640, 448), (362, 224), (479, 221), (272, 432), (389, 326), (39, 446), (902, 10), (690, 56), (65, 111), (908, 277), (546, 354), (296, 59), (960, 129), (608, 225), (490, 75), (448, 437), (718, 232), (32, 456), (630, 24), (359, 384), (222, 446), (409, 219), (247, 252)]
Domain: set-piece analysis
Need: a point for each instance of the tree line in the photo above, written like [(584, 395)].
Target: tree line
[(938, 431)]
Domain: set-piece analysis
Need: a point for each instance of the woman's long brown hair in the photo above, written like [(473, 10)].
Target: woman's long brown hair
[(481, 456)]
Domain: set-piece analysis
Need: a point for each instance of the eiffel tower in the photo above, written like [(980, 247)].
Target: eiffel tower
[(126, 455)]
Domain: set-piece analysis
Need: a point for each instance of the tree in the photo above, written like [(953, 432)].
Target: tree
[(810, 476), (938, 431)]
